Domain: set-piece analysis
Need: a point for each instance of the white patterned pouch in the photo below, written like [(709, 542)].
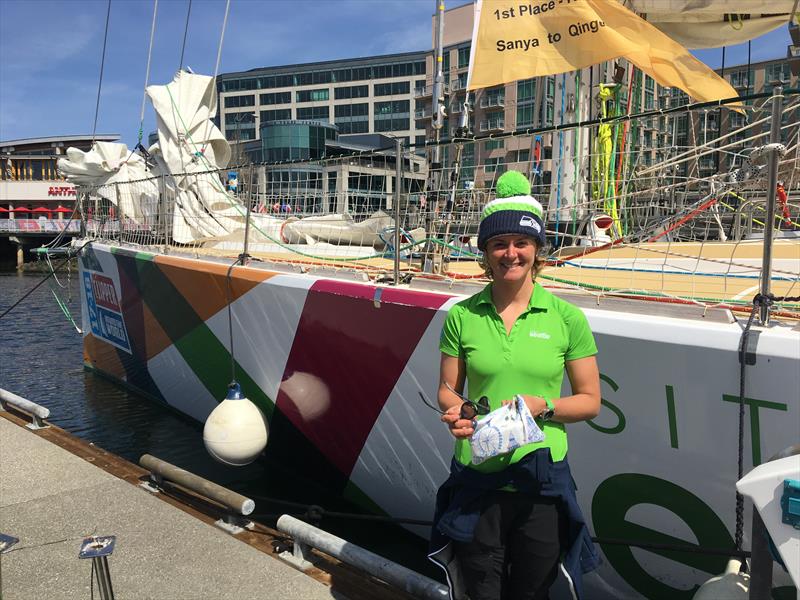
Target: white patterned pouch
[(504, 430)]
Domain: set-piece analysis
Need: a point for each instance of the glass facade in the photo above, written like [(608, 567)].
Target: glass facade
[(378, 71), (295, 141)]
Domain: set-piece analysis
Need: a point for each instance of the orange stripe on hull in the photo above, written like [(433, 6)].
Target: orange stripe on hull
[(102, 356), (203, 284)]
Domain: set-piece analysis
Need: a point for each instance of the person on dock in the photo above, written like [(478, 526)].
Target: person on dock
[(503, 525)]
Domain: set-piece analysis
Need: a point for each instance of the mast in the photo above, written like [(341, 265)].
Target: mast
[(437, 122)]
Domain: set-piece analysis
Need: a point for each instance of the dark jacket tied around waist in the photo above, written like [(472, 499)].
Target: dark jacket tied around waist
[(458, 505)]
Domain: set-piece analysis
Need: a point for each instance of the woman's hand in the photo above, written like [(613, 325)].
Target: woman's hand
[(460, 428)]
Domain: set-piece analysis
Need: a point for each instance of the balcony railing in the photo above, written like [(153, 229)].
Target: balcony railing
[(493, 102), (427, 91), (492, 125), (423, 113)]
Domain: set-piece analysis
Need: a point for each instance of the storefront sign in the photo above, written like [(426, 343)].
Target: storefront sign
[(63, 190)]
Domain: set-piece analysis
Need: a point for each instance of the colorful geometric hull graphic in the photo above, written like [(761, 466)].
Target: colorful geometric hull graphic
[(337, 368)]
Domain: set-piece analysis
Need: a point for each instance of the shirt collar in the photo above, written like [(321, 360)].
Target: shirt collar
[(537, 297)]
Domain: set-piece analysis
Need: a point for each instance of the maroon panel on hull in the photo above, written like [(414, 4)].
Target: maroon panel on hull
[(353, 353)]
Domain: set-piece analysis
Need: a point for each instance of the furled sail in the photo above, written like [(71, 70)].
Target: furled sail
[(107, 164), (713, 23), (190, 147)]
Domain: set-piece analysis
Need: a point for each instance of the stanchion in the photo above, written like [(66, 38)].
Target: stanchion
[(99, 549)]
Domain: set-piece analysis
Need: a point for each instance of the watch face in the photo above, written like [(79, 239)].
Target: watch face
[(547, 415)]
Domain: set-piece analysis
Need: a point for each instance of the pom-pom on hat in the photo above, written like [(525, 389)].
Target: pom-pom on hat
[(514, 211)]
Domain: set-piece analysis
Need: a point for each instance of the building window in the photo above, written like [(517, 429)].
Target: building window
[(490, 145), (526, 90), (355, 91), (776, 72), (741, 78), (352, 118), (392, 89), (494, 165), (313, 113), (240, 126), (493, 98), (519, 156), (392, 115), (525, 116), (239, 101), (236, 85), (279, 114), (312, 95), (276, 98), (351, 110), (346, 127), (463, 57)]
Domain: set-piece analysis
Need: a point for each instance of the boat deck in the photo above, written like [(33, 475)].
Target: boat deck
[(711, 272)]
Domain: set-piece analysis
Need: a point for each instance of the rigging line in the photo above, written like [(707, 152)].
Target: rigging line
[(102, 67), (216, 67), (147, 70), (560, 154), (185, 34), (230, 314), (44, 279)]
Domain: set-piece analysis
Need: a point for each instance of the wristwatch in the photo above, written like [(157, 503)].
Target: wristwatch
[(547, 413)]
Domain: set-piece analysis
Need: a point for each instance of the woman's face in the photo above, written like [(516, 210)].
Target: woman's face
[(511, 257)]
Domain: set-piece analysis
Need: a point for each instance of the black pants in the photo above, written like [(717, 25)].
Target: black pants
[(516, 549)]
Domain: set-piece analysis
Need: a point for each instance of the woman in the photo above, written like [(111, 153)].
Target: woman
[(512, 518)]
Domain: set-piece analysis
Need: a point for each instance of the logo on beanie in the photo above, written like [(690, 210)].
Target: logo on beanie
[(529, 222)]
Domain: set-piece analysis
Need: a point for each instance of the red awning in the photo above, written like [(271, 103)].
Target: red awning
[(62, 209), (20, 209), (3, 209), (41, 209)]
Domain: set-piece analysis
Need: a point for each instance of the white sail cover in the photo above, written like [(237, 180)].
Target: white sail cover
[(189, 143), (713, 23), (107, 164)]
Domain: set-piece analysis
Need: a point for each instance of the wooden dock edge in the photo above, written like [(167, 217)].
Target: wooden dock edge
[(340, 577)]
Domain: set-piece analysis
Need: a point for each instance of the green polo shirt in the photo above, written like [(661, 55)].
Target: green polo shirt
[(530, 360)]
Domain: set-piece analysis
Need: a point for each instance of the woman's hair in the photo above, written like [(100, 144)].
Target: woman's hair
[(538, 264)]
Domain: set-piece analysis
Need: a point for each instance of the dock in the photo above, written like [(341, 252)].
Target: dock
[(56, 490)]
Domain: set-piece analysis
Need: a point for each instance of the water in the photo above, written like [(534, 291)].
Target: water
[(41, 358)]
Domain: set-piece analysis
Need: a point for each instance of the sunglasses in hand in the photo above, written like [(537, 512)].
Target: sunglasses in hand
[(469, 409)]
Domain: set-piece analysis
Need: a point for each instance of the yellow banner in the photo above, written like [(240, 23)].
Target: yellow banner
[(515, 40)]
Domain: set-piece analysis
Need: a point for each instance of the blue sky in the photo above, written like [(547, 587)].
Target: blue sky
[(50, 51)]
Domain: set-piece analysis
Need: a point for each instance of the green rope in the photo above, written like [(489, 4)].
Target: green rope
[(65, 310)]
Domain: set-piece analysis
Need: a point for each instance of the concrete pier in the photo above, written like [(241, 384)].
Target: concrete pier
[(52, 496)]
